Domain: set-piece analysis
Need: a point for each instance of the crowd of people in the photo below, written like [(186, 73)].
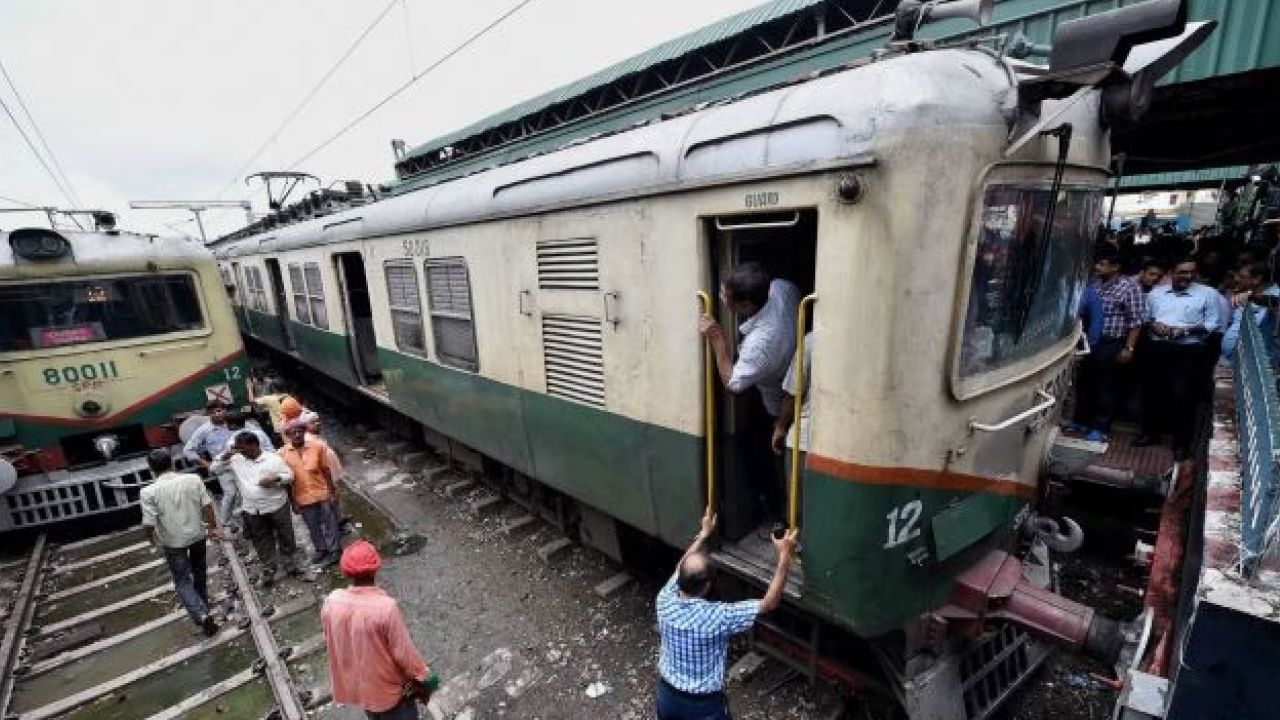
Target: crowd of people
[(1162, 308)]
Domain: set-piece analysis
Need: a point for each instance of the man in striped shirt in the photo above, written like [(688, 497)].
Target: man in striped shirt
[(696, 631)]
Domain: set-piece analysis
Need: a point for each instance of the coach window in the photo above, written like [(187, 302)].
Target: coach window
[(406, 307), (449, 297), (308, 295), (257, 292)]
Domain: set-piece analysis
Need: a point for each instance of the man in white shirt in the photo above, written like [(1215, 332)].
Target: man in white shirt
[(768, 307), (178, 515), (263, 479)]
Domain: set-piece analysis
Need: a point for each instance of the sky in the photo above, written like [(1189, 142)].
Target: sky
[(169, 99)]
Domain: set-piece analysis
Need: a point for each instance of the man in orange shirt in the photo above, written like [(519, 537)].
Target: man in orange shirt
[(314, 491), (373, 663)]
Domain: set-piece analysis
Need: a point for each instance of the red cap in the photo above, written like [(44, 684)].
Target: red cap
[(360, 559), (290, 408)]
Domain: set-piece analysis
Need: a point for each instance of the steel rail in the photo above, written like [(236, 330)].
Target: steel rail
[(290, 705), (19, 621)]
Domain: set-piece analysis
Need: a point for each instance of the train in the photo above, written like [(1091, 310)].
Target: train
[(937, 204), (109, 341)]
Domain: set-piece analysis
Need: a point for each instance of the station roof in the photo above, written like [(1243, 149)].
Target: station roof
[(1225, 96)]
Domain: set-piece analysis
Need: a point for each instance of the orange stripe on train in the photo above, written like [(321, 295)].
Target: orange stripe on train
[(917, 477)]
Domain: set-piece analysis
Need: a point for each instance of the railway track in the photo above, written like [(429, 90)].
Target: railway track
[(94, 632)]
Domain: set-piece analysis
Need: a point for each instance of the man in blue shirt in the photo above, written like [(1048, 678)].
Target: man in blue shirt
[(207, 443), (696, 631), (1181, 316)]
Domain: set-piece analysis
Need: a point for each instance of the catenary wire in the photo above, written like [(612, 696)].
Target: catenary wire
[(31, 146), (443, 59), (293, 114), (31, 120)]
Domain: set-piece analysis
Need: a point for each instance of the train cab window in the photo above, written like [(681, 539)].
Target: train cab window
[(1025, 287), (76, 312), (406, 307), (449, 298), (308, 295)]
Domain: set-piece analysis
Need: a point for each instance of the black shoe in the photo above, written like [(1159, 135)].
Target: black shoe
[(209, 626), (1145, 441)]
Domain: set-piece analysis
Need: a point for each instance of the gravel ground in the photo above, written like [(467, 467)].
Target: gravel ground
[(513, 636)]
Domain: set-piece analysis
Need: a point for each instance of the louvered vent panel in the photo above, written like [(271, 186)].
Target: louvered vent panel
[(569, 264), (574, 358)]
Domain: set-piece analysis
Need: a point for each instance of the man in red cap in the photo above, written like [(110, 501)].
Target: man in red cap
[(373, 663)]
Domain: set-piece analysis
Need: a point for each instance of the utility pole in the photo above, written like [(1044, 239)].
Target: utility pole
[(195, 207)]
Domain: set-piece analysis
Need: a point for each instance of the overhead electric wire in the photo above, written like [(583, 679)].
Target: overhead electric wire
[(31, 146), (75, 196), (23, 203), (445, 58), (307, 99)]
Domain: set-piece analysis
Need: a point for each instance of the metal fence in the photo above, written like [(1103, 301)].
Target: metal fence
[(1258, 420)]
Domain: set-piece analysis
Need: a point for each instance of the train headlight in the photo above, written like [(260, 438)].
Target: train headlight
[(107, 445), (92, 406), (38, 244)]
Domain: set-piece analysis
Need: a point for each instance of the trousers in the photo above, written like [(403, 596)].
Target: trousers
[(272, 533), (227, 506), (1172, 389), (187, 566), (406, 710), (1100, 385), (676, 705), (322, 524)]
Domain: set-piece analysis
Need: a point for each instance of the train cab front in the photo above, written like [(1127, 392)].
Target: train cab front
[(107, 342)]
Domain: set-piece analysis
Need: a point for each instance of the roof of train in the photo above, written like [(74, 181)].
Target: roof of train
[(829, 121), (89, 249)]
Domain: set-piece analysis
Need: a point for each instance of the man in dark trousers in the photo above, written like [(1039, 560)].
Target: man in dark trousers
[(1182, 314), (696, 631), (1123, 310), (178, 515)]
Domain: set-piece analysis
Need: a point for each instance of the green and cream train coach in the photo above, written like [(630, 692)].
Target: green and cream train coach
[(107, 340), (941, 206)]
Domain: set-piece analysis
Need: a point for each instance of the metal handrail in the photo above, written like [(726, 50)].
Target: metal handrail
[(1048, 401), (793, 496), (709, 407), (763, 225)]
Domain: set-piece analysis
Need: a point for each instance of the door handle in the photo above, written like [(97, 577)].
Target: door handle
[(526, 302), (612, 308), (1048, 401)]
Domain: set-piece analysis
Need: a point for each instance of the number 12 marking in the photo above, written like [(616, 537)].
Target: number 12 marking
[(902, 524)]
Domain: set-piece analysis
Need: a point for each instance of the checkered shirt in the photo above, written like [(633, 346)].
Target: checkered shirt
[(1124, 307), (695, 637)]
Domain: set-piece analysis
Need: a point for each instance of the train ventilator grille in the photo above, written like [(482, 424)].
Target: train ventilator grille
[(569, 264), (573, 353)]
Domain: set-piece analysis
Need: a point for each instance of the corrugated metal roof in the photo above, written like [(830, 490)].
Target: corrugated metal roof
[(670, 50), (1207, 177)]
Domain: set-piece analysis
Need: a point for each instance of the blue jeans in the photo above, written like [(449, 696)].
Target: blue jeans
[(676, 705), (322, 524), (406, 710), (187, 566)]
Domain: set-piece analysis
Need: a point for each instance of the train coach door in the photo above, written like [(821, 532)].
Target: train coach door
[(751, 480), (282, 302), (361, 342)]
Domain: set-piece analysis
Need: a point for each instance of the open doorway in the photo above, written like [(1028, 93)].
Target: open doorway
[(753, 491), (281, 301), (361, 341)]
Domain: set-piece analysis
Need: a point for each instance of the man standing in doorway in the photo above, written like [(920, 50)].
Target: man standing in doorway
[(767, 308), (314, 493), (263, 479), (208, 442), (178, 515), (373, 663), (1183, 314), (695, 631), (1123, 310)]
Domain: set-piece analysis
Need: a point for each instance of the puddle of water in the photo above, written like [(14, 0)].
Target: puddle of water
[(294, 629), (108, 664), (374, 526), (101, 547), (151, 695), (105, 595), (251, 700)]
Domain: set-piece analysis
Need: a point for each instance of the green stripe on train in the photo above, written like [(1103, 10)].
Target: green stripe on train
[(651, 478)]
